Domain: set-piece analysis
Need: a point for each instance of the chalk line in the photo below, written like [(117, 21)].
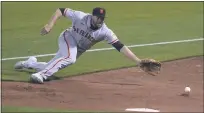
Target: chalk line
[(106, 49)]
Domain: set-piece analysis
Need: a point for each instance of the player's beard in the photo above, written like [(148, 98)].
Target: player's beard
[(97, 22)]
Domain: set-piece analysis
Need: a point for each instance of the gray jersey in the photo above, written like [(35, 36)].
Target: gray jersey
[(83, 35)]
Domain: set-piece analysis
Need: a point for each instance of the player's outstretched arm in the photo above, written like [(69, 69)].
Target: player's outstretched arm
[(126, 51), (47, 28), (150, 66), (111, 38)]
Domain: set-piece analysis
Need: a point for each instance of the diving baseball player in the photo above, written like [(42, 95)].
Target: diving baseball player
[(87, 30)]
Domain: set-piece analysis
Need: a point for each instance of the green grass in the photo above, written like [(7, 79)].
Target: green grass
[(29, 109), (137, 22), (133, 23)]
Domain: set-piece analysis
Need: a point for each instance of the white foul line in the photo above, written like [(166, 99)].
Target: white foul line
[(105, 49)]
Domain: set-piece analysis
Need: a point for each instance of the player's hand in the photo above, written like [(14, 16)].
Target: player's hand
[(45, 30)]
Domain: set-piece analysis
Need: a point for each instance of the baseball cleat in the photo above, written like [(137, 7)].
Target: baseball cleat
[(37, 78), (32, 59), (19, 65), (25, 64)]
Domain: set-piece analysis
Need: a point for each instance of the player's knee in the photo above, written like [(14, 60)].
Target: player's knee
[(73, 61), (70, 60)]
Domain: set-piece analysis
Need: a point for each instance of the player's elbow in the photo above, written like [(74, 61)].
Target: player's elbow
[(58, 12)]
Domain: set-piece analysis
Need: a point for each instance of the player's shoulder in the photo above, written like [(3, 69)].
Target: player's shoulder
[(82, 15), (78, 13), (106, 30)]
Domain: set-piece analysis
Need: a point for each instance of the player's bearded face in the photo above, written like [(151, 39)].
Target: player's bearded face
[(97, 21)]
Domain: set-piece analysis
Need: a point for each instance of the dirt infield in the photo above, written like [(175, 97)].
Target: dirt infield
[(116, 90)]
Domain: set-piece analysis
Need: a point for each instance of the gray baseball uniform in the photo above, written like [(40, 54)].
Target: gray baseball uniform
[(74, 41)]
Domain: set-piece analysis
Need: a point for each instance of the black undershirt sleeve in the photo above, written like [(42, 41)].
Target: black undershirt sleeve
[(118, 45), (62, 10)]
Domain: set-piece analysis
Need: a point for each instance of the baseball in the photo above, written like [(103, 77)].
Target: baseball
[(187, 89)]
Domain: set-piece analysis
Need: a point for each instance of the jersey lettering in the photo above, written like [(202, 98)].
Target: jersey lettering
[(83, 33)]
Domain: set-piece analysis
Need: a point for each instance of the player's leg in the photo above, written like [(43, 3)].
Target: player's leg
[(26, 63), (39, 66), (67, 56), (32, 63)]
